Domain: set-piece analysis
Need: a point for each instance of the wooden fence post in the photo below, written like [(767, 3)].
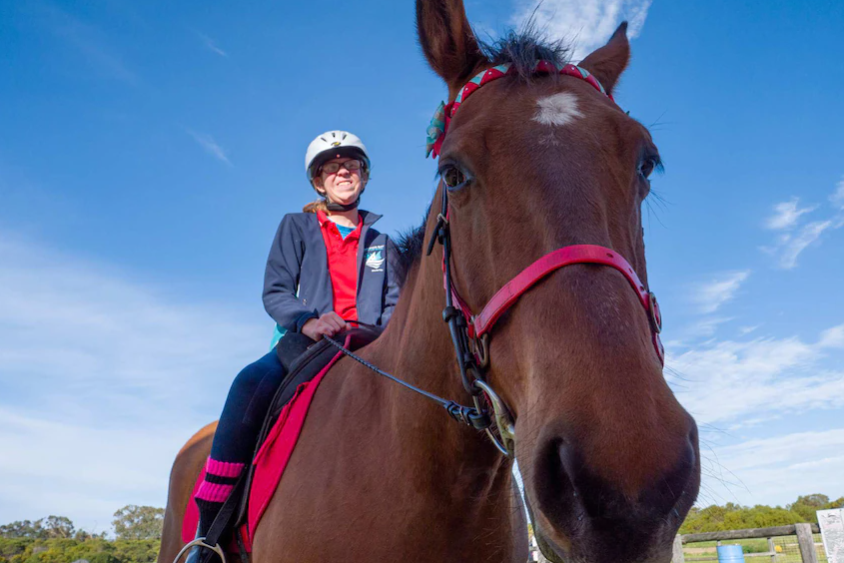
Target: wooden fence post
[(806, 543), (677, 552)]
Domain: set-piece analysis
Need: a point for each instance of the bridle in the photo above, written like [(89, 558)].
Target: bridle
[(470, 334)]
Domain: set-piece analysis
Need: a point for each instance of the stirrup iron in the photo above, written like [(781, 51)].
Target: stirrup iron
[(200, 542)]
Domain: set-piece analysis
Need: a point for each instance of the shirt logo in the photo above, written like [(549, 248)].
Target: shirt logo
[(374, 259)]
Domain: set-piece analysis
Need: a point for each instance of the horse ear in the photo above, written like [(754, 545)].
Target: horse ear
[(608, 62), (447, 40)]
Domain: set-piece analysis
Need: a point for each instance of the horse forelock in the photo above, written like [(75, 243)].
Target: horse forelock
[(521, 49)]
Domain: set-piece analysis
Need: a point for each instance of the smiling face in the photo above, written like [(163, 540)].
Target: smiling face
[(343, 186)]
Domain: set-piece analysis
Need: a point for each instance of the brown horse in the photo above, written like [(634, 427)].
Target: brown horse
[(609, 459)]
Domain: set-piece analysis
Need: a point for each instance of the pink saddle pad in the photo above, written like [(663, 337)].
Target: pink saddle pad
[(270, 461)]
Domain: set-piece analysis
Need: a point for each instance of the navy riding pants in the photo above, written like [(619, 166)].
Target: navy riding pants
[(246, 406)]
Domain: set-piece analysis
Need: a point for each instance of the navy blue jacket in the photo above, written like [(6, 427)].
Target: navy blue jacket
[(297, 284)]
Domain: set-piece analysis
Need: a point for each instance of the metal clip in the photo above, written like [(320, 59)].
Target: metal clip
[(506, 444), (480, 347), (654, 314)]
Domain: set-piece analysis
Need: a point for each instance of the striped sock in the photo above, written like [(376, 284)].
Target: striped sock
[(220, 478)]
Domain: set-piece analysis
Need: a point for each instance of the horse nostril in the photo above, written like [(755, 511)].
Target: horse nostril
[(582, 483), (556, 495), (593, 496), (570, 461), (666, 492)]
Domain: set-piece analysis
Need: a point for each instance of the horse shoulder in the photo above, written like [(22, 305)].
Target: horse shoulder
[(324, 505)]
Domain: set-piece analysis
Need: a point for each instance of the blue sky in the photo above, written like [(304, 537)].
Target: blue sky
[(148, 151)]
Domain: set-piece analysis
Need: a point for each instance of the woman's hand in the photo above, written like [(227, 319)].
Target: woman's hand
[(327, 325)]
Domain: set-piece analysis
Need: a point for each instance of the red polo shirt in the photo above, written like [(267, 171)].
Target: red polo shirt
[(342, 265)]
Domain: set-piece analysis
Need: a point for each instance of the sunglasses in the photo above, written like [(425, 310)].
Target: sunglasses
[(334, 167)]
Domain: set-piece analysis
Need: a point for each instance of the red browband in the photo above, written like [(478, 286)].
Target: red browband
[(445, 112)]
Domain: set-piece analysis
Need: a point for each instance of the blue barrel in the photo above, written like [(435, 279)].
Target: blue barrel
[(730, 554)]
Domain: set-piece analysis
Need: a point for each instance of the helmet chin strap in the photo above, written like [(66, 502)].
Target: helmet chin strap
[(337, 207), (332, 206)]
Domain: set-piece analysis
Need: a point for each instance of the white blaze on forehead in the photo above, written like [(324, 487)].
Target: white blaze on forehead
[(559, 109)]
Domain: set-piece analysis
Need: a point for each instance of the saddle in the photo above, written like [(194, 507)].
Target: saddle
[(303, 361)]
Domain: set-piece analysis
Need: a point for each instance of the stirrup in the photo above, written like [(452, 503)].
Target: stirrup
[(200, 542)]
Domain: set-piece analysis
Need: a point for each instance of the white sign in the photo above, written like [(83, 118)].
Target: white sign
[(832, 531)]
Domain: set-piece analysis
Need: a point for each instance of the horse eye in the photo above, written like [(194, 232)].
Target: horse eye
[(453, 178), (648, 165)]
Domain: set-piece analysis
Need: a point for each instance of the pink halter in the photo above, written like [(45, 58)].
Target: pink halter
[(478, 327)]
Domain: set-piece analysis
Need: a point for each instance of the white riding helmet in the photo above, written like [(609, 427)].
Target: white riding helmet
[(333, 144)]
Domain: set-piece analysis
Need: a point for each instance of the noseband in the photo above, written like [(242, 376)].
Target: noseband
[(470, 333)]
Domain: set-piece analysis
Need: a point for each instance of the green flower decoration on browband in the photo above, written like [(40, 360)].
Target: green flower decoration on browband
[(436, 129)]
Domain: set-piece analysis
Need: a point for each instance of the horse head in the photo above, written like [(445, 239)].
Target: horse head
[(532, 163)]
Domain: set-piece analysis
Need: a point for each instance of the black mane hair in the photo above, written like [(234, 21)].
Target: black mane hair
[(523, 48), (409, 246)]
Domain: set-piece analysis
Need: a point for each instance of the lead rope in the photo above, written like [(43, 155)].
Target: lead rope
[(471, 416)]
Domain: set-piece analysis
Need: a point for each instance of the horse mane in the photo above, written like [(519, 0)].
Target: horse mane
[(409, 246), (521, 49)]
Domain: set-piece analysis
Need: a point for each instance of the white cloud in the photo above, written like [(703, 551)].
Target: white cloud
[(704, 327), (210, 146), (586, 24), (837, 198), (791, 247), (786, 214), (711, 295), (84, 472), (102, 379), (210, 44), (88, 40), (790, 244), (832, 338), (776, 470), (727, 381)]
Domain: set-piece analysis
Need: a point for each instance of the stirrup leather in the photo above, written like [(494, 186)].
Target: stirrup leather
[(200, 542)]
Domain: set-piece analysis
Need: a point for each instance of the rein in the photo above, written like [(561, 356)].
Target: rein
[(471, 416), (470, 333)]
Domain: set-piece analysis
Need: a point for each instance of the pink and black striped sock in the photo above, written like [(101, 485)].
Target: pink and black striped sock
[(220, 478)]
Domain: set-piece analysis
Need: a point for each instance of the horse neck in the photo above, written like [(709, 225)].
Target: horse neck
[(418, 348)]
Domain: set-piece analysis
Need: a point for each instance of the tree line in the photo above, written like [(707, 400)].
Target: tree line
[(55, 539), (137, 531), (736, 517)]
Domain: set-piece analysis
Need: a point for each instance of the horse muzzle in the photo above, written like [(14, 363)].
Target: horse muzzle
[(580, 515)]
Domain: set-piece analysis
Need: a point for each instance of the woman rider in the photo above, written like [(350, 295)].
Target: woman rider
[(327, 267)]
